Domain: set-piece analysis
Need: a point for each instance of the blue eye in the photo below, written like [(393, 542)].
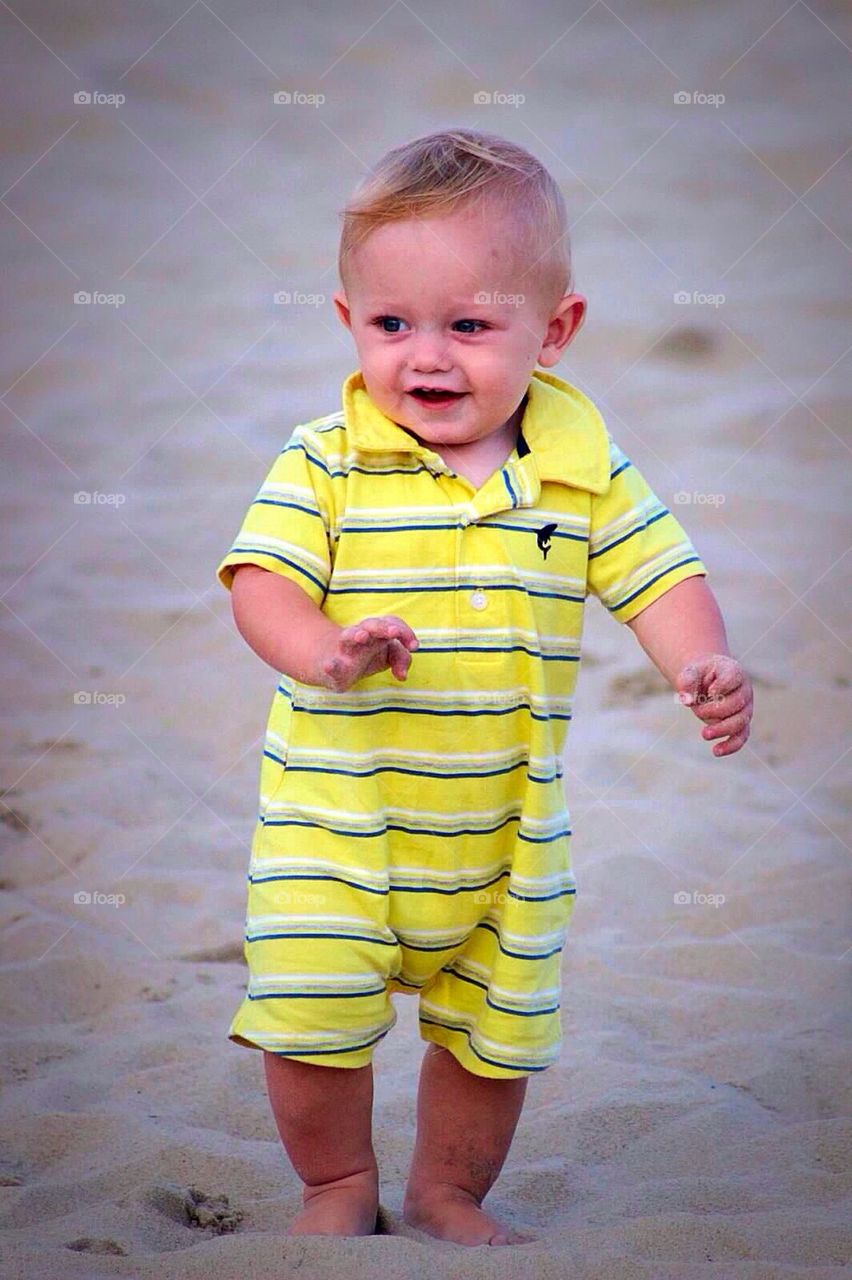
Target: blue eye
[(382, 321), (481, 324)]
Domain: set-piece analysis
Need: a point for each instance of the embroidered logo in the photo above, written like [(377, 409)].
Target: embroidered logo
[(543, 538)]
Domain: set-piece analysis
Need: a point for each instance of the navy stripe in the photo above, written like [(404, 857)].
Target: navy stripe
[(353, 884), (624, 538), (679, 565), (492, 1004), (322, 1053), (520, 528), (412, 773), (279, 502), (517, 955), (548, 897), (390, 826), (618, 470), (494, 1062), (417, 773), (364, 471), (500, 648), (345, 937), (491, 586), (508, 485), (274, 555), (317, 995), (424, 711), (455, 525)]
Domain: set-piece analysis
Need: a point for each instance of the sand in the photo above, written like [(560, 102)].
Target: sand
[(698, 1122)]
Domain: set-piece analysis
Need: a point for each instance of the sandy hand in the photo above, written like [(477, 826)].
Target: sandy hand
[(719, 693), (375, 644)]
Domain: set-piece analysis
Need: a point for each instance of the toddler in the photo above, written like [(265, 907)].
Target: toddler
[(415, 566)]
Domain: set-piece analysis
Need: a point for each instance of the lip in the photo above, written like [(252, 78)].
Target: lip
[(438, 402)]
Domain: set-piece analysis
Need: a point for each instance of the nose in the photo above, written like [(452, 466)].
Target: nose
[(430, 354)]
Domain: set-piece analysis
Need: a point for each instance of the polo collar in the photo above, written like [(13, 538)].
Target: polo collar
[(562, 427)]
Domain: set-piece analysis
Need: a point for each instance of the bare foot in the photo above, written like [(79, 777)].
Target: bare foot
[(450, 1213), (345, 1208)]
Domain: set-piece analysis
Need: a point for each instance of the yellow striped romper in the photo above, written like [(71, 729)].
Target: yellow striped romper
[(413, 836)]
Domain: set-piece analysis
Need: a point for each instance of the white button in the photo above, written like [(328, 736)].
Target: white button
[(479, 599)]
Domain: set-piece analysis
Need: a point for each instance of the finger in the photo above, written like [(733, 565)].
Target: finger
[(354, 638), (400, 630), (688, 683), (389, 628), (731, 745), (720, 708), (729, 676), (399, 659), (734, 724)]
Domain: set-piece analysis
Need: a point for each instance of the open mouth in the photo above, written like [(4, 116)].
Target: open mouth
[(435, 395)]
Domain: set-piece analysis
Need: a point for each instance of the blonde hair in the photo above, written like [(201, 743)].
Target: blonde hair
[(435, 174)]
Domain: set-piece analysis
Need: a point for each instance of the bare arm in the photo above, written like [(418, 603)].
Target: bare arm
[(680, 626), (281, 623), (683, 634)]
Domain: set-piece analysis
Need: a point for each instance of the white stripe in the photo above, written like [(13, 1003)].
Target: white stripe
[(511, 1052)]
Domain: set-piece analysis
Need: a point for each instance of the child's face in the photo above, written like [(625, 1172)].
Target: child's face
[(440, 303)]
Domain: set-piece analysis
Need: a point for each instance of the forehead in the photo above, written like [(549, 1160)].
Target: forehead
[(455, 250)]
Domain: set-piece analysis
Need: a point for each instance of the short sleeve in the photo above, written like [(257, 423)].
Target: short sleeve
[(287, 527), (637, 549)]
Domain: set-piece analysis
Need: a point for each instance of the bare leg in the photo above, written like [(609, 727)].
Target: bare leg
[(324, 1117), (465, 1126)]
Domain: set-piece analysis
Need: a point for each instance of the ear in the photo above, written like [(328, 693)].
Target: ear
[(564, 325), (341, 306)]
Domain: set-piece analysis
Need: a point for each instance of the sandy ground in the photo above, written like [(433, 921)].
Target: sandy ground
[(698, 1121)]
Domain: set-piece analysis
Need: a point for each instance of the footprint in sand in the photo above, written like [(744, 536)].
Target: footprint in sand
[(634, 686), (227, 953), (193, 1208), (687, 342), (89, 1244)]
